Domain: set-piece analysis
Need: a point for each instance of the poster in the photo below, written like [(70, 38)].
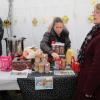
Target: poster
[(43, 82)]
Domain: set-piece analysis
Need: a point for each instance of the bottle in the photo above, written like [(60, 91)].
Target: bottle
[(63, 64), (47, 67), (58, 63), (69, 55)]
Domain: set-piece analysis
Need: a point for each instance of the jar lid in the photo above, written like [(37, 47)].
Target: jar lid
[(14, 38), (58, 44)]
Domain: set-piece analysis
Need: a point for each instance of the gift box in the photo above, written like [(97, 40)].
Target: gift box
[(5, 63)]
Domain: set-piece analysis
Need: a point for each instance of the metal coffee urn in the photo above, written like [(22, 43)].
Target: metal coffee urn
[(14, 46)]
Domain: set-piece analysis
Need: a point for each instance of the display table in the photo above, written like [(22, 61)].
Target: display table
[(63, 87), (8, 80)]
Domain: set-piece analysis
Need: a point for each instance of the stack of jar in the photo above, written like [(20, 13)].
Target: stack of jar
[(41, 64), (60, 64), (58, 48)]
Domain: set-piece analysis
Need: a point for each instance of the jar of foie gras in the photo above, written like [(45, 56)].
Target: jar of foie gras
[(41, 67)]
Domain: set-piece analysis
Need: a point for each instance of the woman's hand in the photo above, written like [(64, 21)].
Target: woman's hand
[(55, 55)]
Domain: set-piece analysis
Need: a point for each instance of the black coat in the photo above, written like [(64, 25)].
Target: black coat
[(89, 77), (1, 35)]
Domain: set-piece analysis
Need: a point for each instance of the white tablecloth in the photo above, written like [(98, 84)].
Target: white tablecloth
[(8, 80)]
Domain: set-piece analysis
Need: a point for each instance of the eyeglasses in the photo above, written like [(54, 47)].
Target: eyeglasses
[(96, 12)]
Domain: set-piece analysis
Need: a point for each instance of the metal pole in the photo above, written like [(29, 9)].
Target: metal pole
[(10, 16)]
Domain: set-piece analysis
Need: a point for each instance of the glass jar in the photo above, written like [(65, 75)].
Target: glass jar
[(47, 67), (36, 67), (41, 67)]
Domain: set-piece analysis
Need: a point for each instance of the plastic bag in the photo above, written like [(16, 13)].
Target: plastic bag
[(75, 65), (5, 63)]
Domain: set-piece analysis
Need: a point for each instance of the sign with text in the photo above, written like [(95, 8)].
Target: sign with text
[(43, 82)]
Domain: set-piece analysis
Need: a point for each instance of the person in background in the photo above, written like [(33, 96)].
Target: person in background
[(56, 33), (4, 95), (1, 35), (88, 86)]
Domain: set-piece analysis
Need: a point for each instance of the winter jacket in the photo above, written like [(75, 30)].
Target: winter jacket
[(49, 37)]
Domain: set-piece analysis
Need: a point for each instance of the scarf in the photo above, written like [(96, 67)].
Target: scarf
[(87, 40)]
